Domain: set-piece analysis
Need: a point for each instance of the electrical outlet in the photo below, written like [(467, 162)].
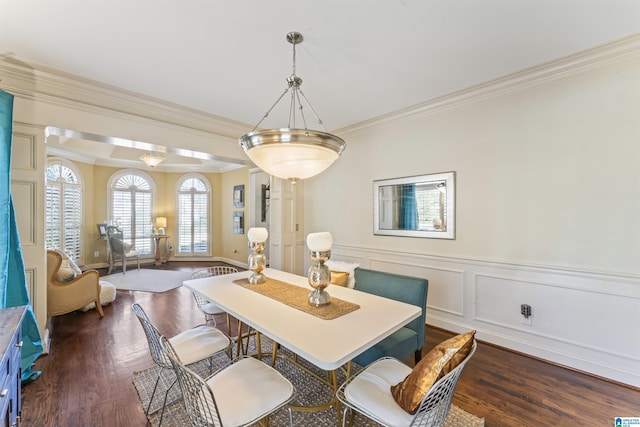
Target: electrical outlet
[(527, 313), (96, 254)]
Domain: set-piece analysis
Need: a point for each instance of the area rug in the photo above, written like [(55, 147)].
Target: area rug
[(148, 280), (309, 391)]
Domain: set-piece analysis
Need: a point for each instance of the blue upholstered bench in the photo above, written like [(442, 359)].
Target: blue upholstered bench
[(412, 290)]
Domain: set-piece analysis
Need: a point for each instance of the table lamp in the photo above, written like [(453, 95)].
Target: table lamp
[(161, 223), (319, 245), (257, 261)]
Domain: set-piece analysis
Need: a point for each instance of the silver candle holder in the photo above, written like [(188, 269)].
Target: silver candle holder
[(319, 275), (319, 278), (257, 260)]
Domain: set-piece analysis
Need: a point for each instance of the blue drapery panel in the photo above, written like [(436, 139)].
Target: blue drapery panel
[(13, 282), (409, 208)]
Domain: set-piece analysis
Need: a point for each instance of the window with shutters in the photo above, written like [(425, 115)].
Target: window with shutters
[(193, 201), (131, 197), (63, 206)]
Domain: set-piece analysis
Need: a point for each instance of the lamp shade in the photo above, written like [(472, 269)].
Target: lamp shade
[(258, 234), (292, 153), (161, 222), (320, 242)]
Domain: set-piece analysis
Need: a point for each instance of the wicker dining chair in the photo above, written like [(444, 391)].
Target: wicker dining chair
[(191, 346), (246, 391), (369, 393)]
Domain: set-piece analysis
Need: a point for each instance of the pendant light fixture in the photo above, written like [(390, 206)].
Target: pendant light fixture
[(151, 159), (292, 153)]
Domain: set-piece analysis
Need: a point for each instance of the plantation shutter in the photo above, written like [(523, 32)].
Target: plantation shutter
[(72, 221), (193, 217), (131, 203), (63, 211), (53, 231)]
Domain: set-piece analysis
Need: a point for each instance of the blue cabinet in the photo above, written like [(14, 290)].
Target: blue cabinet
[(10, 355)]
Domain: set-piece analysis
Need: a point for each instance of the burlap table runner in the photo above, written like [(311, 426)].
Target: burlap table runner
[(296, 297)]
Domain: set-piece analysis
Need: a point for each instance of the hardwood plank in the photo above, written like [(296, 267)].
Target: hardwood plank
[(87, 378)]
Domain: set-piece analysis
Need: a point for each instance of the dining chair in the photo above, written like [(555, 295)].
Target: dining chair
[(210, 310), (191, 346), (240, 394), (369, 393)]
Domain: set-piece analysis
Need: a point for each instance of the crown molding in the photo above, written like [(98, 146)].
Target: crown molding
[(38, 82), (597, 57)]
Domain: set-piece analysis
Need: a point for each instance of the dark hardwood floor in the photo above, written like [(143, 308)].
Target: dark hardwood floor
[(86, 378)]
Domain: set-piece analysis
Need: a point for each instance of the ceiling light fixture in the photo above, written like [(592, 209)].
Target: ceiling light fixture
[(151, 159), (292, 153)]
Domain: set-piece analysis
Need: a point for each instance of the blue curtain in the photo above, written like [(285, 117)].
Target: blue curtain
[(13, 281), (409, 208)]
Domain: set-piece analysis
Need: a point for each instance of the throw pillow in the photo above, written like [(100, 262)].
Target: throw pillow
[(65, 273), (70, 263), (348, 267), (340, 278), (441, 360)]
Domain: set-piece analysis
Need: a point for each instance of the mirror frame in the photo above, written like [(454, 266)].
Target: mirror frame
[(447, 177)]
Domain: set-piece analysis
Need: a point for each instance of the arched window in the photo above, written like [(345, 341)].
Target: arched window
[(63, 208), (131, 197), (193, 201)]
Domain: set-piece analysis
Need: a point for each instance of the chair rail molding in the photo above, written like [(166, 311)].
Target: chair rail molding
[(582, 320)]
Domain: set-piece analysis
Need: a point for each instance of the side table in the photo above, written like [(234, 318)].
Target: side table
[(161, 259)]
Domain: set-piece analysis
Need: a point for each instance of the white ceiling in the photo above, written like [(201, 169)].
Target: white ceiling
[(360, 58)]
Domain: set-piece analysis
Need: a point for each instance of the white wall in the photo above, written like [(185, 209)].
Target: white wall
[(547, 169), (548, 196)]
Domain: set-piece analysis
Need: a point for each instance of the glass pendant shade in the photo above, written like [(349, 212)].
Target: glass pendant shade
[(292, 153)]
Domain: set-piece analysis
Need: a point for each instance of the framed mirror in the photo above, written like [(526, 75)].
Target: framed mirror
[(415, 206)]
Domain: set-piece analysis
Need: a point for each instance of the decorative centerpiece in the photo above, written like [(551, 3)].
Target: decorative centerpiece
[(319, 245), (257, 261)]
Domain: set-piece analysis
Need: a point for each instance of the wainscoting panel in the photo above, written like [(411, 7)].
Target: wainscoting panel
[(446, 285), (24, 203), (584, 320), (23, 152)]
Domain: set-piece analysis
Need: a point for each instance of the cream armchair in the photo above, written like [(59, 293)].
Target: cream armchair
[(66, 296)]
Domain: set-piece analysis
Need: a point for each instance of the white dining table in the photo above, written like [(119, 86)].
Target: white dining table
[(328, 344)]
